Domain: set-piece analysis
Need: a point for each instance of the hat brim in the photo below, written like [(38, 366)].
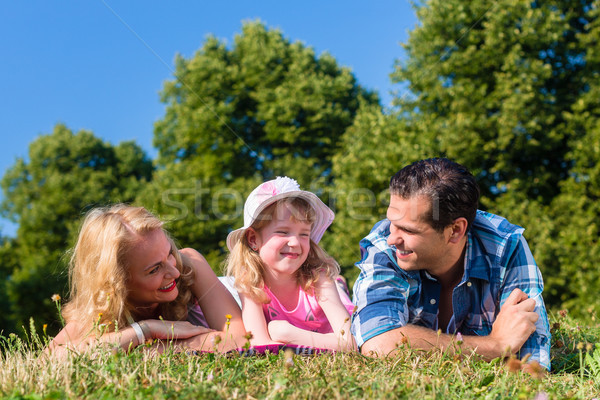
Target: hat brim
[(324, 216)]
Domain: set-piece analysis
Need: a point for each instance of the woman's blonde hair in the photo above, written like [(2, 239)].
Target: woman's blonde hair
[(98, 270), (247, 268)]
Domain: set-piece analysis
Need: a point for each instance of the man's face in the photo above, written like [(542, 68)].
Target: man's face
[(418, 245)]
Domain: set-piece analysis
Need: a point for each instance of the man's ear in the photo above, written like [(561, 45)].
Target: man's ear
[(459, 229)]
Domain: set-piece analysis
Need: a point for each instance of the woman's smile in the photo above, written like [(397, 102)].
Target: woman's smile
[(169, 287)]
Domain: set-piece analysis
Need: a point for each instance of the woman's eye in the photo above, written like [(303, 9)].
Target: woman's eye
[(154, 270)]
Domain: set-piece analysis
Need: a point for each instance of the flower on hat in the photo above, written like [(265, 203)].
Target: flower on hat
[(267, 188), (285, 184), (281, 184), (274, 187)]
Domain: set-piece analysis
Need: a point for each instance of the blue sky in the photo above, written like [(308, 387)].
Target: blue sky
[(99, 65)]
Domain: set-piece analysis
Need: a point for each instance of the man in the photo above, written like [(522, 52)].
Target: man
[(438, 263)]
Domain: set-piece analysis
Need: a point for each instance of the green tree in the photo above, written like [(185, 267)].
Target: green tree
[(8, 262), (490, 83), (65, 175), (573, 256), (237, 116)]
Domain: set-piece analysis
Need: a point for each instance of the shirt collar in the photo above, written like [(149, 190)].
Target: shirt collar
[(475, 253)]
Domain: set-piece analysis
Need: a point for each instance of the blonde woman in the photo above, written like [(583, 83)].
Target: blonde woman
[(130, 285)]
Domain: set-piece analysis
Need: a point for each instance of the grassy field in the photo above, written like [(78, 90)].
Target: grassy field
[(28, 373)]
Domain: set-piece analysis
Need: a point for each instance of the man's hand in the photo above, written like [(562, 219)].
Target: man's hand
[(515, 323)]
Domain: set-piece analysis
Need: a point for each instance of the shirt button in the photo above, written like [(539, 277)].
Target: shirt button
[(469, 284), (432, 301)]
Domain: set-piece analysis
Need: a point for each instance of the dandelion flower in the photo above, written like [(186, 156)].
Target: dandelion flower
[(289, 358), (556, 325), (535, 369), (55, 297), (228, 316), (513, 365)]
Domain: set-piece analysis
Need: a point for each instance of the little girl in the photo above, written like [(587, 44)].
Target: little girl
[(287, 283)]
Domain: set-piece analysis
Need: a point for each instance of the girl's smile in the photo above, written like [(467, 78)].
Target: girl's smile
[(291, 255)]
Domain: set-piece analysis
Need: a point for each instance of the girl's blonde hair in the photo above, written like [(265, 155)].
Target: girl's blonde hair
[(247, 268), (98, 270)]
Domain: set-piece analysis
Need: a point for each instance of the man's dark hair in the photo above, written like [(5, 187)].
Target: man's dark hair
[(452, 189)]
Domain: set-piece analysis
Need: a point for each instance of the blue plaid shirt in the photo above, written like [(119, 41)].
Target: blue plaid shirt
[(497, 260)]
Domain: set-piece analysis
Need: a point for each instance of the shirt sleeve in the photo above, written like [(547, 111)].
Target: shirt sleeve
[(522, 272), (380, 295)]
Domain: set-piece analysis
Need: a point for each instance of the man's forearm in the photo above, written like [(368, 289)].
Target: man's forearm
[(422, 338)]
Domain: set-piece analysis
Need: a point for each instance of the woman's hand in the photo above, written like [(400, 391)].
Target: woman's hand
[(160, 329)]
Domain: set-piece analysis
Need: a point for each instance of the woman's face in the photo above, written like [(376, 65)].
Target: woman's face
[(152, 272)]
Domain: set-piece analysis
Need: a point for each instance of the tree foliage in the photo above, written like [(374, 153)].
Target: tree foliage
[(573, 256), (490, 83), (237, 116), (64, 176), (8, 262)]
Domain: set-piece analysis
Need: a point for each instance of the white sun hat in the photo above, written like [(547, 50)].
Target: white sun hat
[(268, 193)]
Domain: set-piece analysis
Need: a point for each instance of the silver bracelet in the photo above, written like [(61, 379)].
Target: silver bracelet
[(146, 330), (139, 333)]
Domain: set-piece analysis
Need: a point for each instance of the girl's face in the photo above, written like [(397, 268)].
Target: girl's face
[(283, 244), (152, 272)]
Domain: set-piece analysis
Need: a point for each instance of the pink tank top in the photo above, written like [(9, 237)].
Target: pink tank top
[(308, 314)]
